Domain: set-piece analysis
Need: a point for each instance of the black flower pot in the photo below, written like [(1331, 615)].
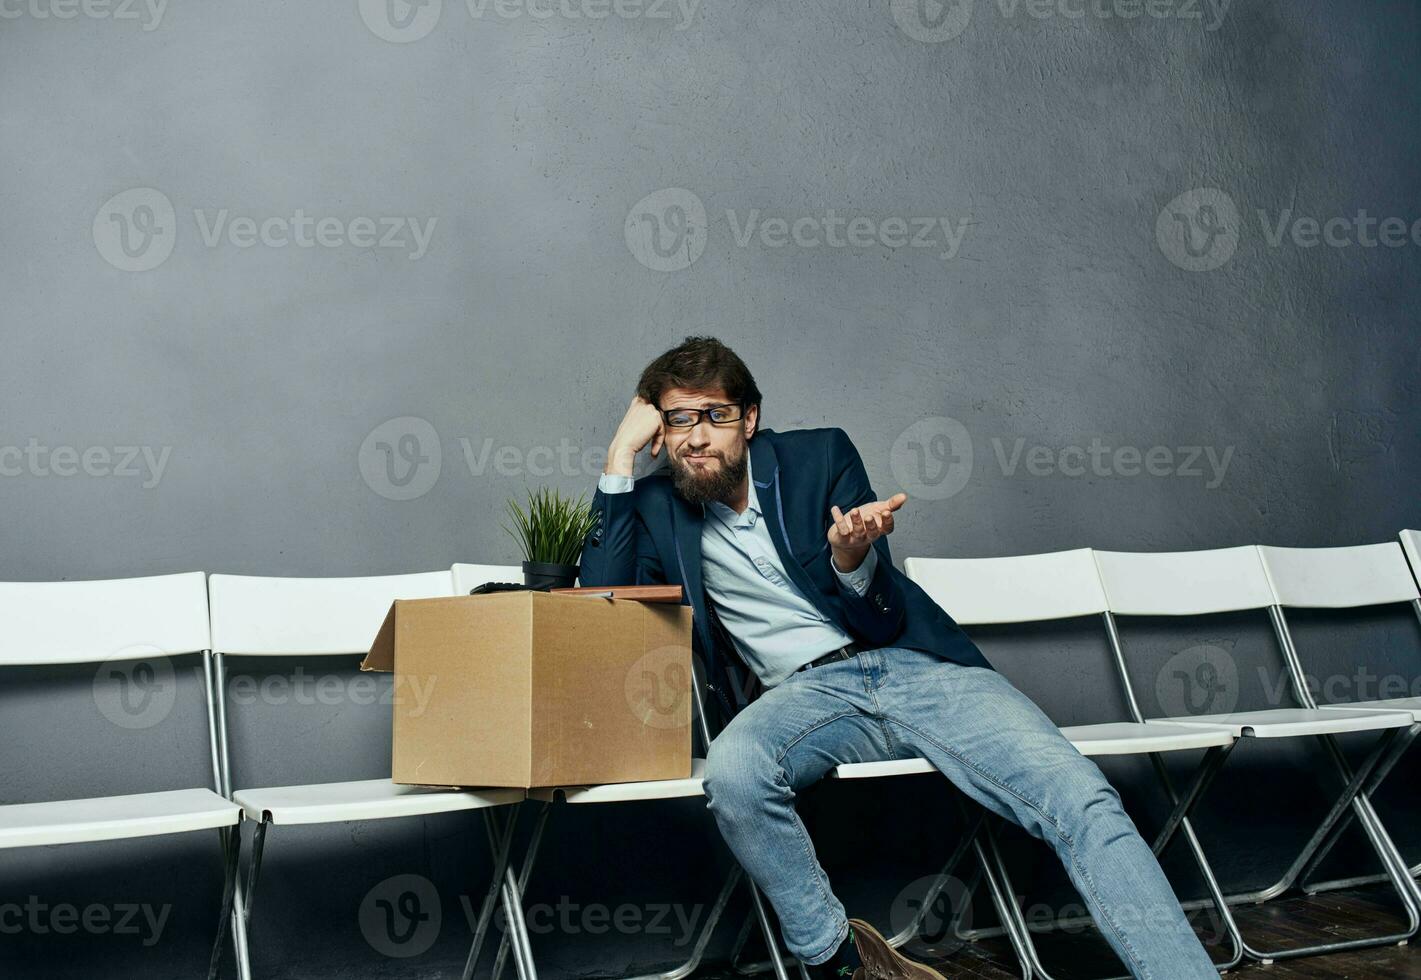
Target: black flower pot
[(543, 575)]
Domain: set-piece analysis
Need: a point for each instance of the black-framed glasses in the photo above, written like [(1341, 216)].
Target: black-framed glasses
[(685, 418)]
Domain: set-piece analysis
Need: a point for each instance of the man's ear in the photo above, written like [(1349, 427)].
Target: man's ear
[(752, 420)]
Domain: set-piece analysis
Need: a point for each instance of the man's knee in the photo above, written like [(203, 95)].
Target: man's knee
[(1092, 804), (739, 774)]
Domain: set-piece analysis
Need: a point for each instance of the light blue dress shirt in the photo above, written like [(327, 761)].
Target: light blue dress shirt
[(775, 628)]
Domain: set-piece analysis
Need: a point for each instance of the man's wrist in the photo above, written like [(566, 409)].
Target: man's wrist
[(620, 462), (847, 561)]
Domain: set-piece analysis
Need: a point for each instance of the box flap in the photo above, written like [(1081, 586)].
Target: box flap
[(382, 650)]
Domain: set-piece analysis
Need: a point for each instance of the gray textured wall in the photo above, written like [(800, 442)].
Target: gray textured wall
[(1119, 329)]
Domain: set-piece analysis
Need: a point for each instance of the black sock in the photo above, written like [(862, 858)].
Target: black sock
[(844, 962)]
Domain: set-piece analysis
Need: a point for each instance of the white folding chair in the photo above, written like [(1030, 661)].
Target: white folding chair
[(123, 622), (1044, 588), (266, 617), (467, 577), (1345, 578), (1228, 580)]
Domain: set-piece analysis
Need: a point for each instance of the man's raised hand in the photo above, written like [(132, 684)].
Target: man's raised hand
[(641, 425), (851, 534)]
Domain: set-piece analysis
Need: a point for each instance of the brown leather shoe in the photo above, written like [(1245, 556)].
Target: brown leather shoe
[(881, 961)]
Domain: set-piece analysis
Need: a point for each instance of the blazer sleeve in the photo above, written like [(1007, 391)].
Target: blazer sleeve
[(876, 617), (619, 549)]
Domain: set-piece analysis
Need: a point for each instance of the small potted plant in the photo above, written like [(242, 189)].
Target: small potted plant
[(550, 530)]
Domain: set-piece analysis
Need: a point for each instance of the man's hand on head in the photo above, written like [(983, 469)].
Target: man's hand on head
[(852, 534), (641, 425)]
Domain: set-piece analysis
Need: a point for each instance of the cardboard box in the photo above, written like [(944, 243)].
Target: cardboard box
[(529, 689)]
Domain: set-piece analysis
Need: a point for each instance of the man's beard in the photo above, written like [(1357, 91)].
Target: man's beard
[(702, 487)]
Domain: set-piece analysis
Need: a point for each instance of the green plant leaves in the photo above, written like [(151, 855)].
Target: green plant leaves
[(551, 528)]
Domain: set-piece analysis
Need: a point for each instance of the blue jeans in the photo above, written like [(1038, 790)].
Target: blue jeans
[(985, 736)]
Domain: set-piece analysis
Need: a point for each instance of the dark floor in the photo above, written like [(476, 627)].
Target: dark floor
[(1281, 923)]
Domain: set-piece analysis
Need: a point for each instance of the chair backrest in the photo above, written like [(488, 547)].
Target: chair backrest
[(1184, 583), (260, 616), (1411, 544), (110, 619), (1339, 578), (1022, 589), (468, 577)]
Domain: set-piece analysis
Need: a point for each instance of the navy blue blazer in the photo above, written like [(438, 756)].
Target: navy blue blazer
[(653, 535)]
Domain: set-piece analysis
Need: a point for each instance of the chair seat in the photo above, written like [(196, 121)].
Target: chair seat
[(365, 799), (114, 817), (1287, 722), (655, 789), (1110, 738), (1412, 705)]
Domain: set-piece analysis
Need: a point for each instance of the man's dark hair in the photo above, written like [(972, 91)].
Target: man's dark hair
[(699, 363)]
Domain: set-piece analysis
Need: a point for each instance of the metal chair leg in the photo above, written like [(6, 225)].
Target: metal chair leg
[(515, 937), (500, 840), (254, 863), (1383, 769), (231, 846)]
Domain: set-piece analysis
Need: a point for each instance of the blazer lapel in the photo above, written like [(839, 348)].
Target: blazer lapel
[(687, 519), (766, 467)]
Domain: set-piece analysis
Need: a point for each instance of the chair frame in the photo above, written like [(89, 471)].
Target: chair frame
[(1384, 766), (1014, 924), (230, 836), (1353, 796), (500, 836)]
